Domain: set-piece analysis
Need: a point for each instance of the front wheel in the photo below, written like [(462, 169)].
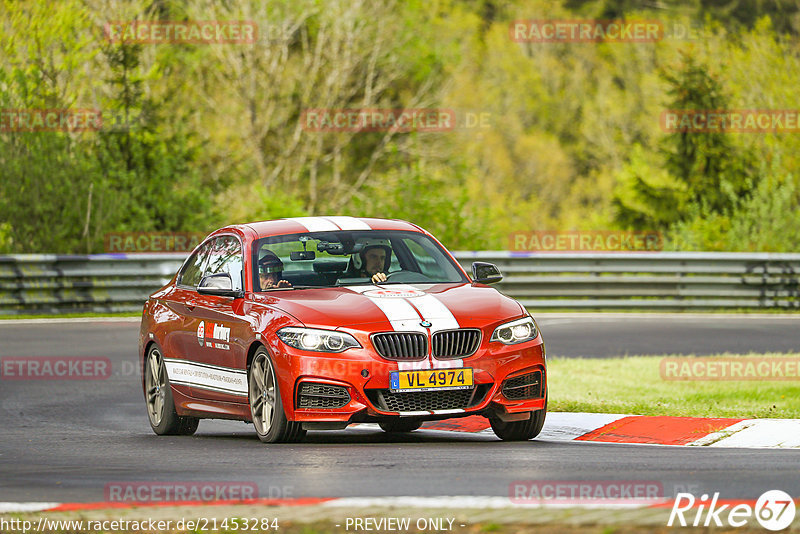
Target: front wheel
[(266, 407), (520, 430), (164, 420)]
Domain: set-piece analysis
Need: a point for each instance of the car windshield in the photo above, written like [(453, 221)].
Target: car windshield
[(341, 258)]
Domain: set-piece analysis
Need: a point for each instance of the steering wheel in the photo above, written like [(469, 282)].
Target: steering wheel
[(407, 276), (392, 274)]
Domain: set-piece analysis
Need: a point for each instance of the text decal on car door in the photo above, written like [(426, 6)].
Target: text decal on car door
[(218, 332)]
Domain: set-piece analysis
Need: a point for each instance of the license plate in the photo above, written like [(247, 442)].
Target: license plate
[(431, 379)]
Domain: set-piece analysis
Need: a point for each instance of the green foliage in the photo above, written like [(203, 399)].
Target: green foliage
[(276, 204), (62, 191), (703, 172), (429, 196), (768, 221), (5, 238), (198, 136), (715, 171), (647, 195)]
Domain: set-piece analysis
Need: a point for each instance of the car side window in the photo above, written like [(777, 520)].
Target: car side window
[(193, 269), (225, 256)]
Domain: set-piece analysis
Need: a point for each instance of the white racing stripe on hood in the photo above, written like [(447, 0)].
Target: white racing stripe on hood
[(431, 308), (349, 223), (315, 224), (404, 318), (361, 289), (401, 314)]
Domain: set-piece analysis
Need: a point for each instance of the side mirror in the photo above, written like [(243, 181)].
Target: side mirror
[(220, 285), (485, 273)]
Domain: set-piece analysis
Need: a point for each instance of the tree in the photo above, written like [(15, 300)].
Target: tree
[(705, 170)]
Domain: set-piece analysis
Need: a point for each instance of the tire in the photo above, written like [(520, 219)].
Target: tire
[(399, 425), (164, 420), (266, 407), (520, 430)]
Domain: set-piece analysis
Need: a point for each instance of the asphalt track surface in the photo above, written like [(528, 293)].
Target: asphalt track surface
[(65, 441)]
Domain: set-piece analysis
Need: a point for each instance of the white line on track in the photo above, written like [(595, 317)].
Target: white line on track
[(461, 502), (21, 507)]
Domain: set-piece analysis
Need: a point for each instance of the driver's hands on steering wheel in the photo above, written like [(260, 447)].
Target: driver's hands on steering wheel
[(378, 278), (280, 284)]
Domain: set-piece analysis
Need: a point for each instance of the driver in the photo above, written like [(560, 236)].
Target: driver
[(270, 268), (373, 259)]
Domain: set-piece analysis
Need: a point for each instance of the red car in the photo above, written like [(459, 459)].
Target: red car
[(314, 323)]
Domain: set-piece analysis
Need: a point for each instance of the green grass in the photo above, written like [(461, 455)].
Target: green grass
[(633, 385)]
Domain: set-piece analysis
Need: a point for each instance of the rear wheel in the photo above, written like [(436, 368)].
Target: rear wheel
[(164, 420), (400, 425), (520, 430), (266, 407)]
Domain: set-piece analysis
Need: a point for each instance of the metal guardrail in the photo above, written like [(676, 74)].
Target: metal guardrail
[(101, 283), (108, 283), (659, 280)]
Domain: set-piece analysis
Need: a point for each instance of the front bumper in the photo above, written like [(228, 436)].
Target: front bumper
[(364, 376)]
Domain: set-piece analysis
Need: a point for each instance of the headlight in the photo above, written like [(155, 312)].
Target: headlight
[(317, 340), (515, 332)]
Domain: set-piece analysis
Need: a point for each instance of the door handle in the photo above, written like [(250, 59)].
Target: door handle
[(190, 305)]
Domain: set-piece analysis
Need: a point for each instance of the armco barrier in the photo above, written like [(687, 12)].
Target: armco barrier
[(103, 283), (660, 280)]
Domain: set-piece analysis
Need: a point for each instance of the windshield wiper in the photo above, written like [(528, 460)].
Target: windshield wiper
[(304, 287), (288, 288)]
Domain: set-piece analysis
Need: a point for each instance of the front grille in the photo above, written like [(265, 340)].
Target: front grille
[(527, 386), (403, 346), (456, 343), (416, 401), (326, 396)]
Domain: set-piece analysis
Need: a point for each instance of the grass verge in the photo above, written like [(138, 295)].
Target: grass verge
[(633, 385), (70, 315)]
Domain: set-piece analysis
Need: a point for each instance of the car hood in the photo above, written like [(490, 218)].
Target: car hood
[(396, 307)]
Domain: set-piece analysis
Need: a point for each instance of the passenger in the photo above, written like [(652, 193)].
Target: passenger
[(270, 268)]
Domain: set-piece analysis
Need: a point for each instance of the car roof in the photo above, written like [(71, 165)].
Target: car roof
[(294, 225)]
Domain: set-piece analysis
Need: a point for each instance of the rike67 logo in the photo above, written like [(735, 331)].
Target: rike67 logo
[(774, 510)]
